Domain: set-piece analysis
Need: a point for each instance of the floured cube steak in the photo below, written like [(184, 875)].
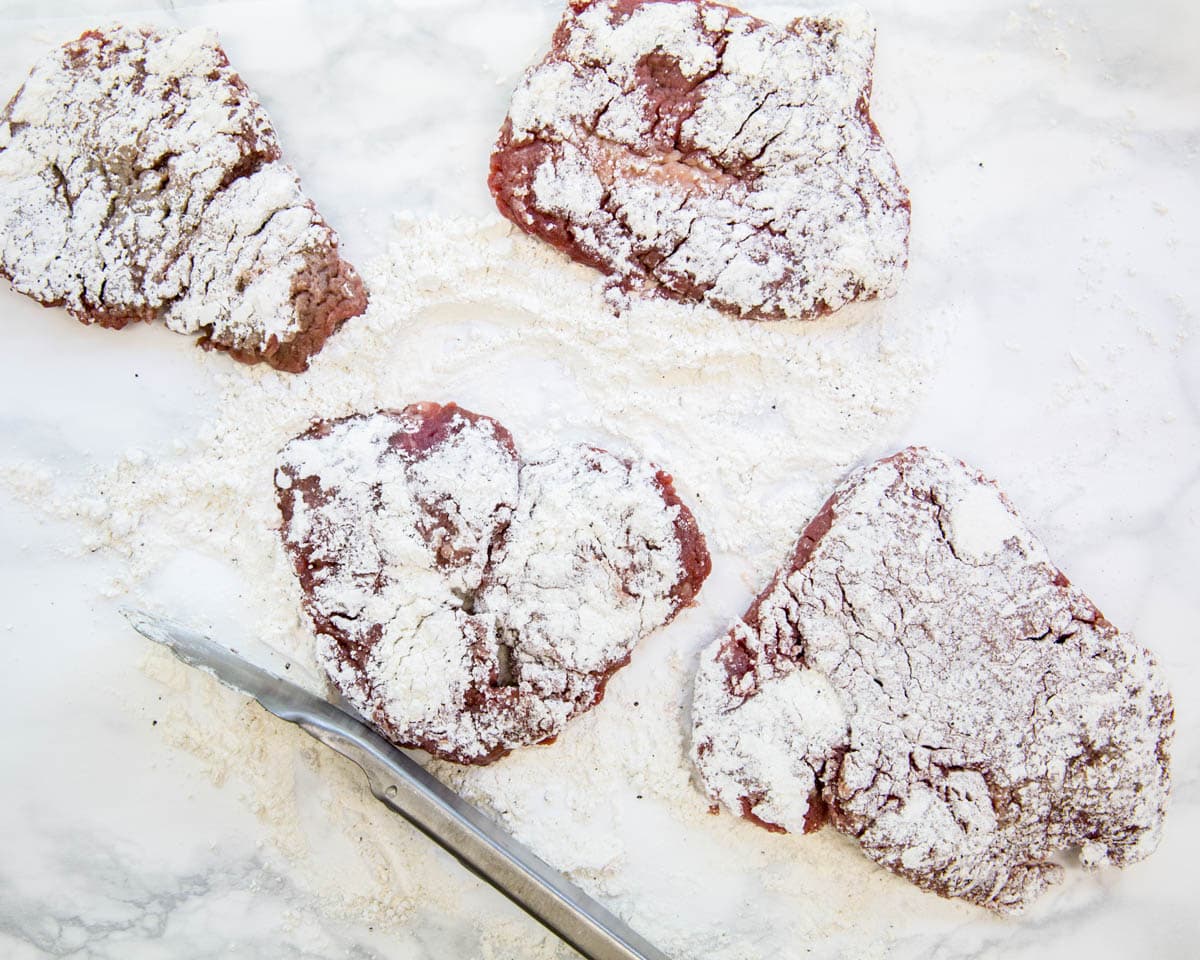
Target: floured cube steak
[(468, 602), (141, 179), (686, 148), (921, 676)]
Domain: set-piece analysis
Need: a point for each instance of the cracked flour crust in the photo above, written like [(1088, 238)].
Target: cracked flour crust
[(468, 603), (921, 676), (686, 148), (141, 179)]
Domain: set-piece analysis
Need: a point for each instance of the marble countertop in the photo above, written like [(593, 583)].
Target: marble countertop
[(1052, 152)]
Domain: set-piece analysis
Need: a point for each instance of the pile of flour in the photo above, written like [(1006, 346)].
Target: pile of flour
[(757, 422)]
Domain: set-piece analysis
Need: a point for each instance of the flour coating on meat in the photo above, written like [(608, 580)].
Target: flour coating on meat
[(468, 602), (141, 179), (922, 677), (687, 148)]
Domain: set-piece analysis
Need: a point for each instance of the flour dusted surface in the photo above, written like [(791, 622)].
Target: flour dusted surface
[(969, 714), (687, 148), (476, 311), (468, 603), (140, 178)]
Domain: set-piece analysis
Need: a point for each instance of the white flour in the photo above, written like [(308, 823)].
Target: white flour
[(756, 422), (118, 195), (740, 169), (974, 716), (494, 596)]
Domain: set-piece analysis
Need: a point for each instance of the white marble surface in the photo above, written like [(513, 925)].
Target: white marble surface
[(1052, 151)]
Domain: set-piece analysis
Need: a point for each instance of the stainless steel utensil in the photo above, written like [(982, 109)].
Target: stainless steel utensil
[(404, 786)]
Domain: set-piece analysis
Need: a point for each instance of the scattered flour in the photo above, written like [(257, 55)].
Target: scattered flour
[(756, 422)]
